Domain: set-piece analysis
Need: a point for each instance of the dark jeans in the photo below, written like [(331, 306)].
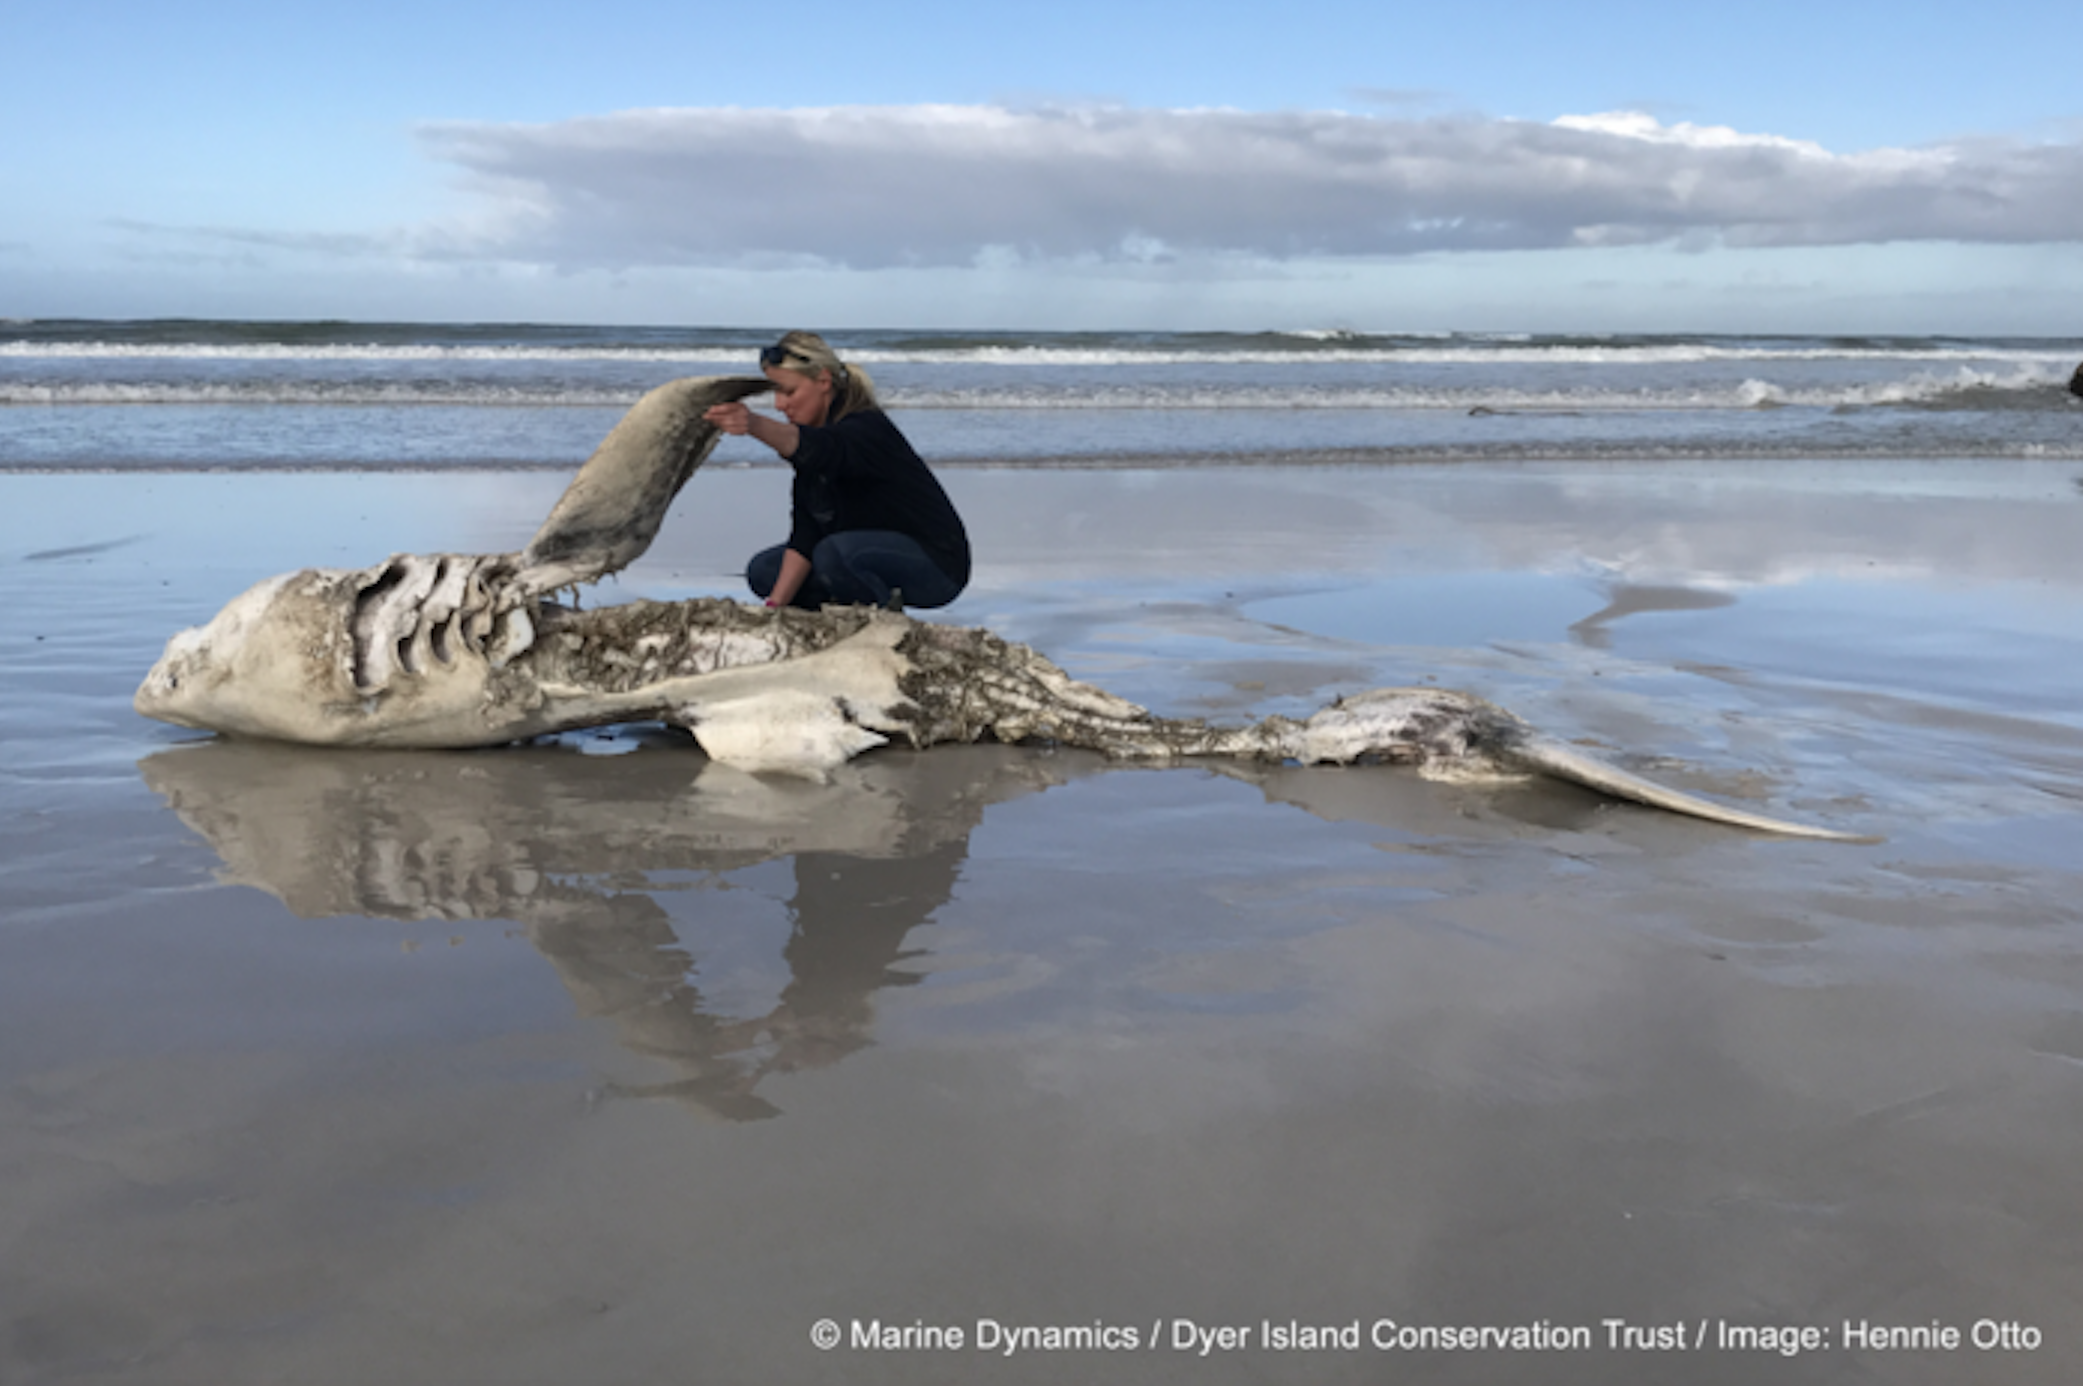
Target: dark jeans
[(859, 567)]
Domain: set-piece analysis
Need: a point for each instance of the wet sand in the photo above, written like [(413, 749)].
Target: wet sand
[(591, 1061)]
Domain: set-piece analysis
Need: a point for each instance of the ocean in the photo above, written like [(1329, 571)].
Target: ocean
[(339, 396)]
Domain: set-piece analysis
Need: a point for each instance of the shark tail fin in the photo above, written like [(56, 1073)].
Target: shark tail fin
[(1551, 757)]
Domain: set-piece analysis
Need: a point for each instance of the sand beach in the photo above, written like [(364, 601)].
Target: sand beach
[(590, 1061)]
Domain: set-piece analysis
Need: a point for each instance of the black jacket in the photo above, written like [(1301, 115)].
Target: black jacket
[(861, 473)]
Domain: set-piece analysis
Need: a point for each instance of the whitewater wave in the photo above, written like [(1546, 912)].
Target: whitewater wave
[(1723, 451), (721, 359), (1964, 384), (2024, 383), (1328, 348), (251, 393)]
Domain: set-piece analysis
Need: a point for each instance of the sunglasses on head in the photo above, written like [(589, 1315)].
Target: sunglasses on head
[(774, 356)]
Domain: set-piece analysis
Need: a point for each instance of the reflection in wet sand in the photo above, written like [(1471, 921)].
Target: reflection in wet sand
[(573, 847), (579, 849), (1628, 599)]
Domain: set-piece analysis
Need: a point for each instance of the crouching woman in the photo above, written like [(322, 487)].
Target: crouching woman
[(869, 524)]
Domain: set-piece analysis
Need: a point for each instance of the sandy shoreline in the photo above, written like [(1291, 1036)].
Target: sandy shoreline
[(593, 1062)]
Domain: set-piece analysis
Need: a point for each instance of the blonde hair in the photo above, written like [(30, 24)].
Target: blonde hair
[(809, 354)]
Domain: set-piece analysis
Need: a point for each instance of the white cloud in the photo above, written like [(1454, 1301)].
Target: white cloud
[(937, 185), (1635, 125)]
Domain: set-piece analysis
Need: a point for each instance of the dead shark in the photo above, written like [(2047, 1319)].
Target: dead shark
[(463, 650)]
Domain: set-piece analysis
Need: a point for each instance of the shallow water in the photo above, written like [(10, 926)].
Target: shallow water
[(592, 1061)]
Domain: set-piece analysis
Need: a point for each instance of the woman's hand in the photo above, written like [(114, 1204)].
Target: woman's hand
[(778, 434), (733, 418)]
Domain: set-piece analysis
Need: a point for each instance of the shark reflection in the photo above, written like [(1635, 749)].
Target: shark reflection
[(577, 848), (1630, 599), (582, 850)]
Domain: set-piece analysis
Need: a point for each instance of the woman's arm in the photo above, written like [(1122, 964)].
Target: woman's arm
[(783, 437), (778, 434), (794, 568)]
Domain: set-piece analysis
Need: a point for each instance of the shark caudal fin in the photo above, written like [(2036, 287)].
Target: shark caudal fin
[(1551, 757)]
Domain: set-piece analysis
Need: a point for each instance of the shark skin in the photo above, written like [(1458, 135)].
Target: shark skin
[(442, 651)]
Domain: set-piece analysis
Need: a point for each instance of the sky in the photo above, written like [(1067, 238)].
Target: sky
[(1485, 165)]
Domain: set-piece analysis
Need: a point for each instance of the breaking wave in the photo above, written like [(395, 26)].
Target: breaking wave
[(2023, 384), (350, 395), (720, 362)]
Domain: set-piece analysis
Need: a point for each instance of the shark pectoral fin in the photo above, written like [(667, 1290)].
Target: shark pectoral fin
[(783, 731), (1551, 757)]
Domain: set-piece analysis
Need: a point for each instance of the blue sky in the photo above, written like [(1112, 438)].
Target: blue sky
[(1481, 165)]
